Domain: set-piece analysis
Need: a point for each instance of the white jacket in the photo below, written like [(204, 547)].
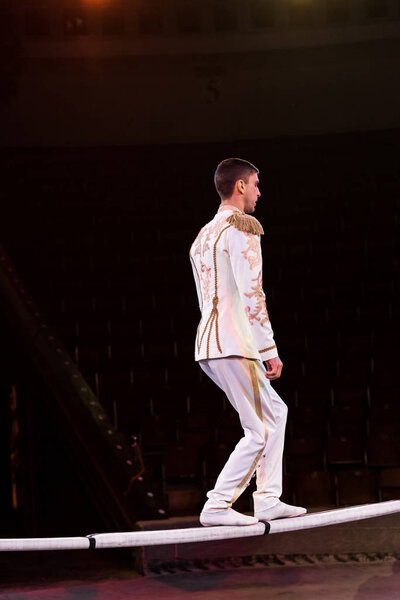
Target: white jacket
[(227, 268)]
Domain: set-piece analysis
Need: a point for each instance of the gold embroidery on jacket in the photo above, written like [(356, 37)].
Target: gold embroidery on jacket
[(205, 278), (266, 349), (213, 318), (245, 223), (197, 242), (200, 244), (253, 252), (260, 313), (201, 303), (212, 230)]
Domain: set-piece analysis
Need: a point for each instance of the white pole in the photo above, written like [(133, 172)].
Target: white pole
[(56, 543), (201, 534), (176, 536), (335, 517)]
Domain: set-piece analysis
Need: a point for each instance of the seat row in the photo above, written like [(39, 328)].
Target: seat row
[(315, 487)]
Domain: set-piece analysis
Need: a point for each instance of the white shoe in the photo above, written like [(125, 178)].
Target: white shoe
[(228, 516), (280, 510)]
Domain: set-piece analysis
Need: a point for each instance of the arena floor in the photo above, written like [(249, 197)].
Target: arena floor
[(368, 581)]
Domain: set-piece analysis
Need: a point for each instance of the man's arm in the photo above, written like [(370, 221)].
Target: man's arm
[(246, 261)]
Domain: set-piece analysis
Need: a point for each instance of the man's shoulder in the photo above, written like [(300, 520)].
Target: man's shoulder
[(202, 231), (239, 221), (245, 223), (211, 225), (228, 220)]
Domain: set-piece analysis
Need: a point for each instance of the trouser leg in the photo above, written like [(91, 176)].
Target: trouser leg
[(261, 413), (269, 467)]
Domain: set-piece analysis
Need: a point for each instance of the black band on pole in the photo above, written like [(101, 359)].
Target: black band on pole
[(92, 542), (267, 527)]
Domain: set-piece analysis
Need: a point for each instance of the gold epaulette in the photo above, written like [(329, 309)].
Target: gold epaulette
[(246, 223)]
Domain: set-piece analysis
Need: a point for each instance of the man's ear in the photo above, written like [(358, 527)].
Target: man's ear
[(240, 186)]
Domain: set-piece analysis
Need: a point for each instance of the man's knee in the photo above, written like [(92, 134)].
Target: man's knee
[(259, 439)]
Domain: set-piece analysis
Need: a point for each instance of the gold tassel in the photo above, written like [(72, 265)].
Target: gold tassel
[(246, 223)]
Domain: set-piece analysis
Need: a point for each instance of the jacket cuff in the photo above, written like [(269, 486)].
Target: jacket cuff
[(267, 353)]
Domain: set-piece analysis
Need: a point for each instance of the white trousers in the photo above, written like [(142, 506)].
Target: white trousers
[(262, 415)]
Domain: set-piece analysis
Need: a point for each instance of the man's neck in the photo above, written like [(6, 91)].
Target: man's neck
[(235, 202)]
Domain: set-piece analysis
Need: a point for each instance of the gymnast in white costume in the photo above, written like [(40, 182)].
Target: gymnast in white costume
[(235, 347)]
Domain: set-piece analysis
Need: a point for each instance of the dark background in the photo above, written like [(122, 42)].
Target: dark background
[(113, 119)]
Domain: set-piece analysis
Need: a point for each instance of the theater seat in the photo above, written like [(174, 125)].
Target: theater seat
[(315, 489), (357, 486)]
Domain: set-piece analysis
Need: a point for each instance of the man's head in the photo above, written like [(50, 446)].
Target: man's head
[(236, 181)]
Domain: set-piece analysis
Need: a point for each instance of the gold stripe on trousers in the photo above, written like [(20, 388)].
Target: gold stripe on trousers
[(257, 407)]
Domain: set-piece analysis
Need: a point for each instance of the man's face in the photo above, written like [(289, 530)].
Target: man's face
[(251, 193)]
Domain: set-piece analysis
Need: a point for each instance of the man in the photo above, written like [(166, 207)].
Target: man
[(234, 341)]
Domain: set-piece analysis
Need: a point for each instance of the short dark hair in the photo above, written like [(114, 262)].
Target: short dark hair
[(229, 171)]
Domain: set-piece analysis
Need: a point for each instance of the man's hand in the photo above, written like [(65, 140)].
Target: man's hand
[(274, 368)]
